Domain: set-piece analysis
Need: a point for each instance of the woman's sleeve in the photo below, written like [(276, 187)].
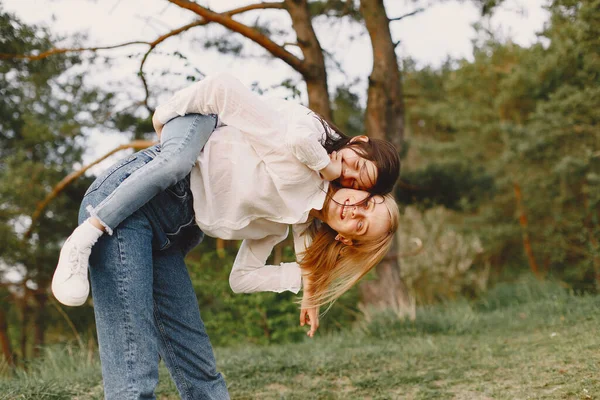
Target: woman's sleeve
[(236, 105), (250, 274)]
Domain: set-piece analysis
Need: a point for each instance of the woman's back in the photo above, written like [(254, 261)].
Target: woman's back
[(241, 195)]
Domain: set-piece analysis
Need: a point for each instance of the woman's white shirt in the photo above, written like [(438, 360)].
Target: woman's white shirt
[(255, 176)]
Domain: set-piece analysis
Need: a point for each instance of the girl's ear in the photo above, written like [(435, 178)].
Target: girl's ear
[(361, 138), (343, 239)]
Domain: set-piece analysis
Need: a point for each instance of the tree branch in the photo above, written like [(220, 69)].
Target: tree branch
[(257, 37), (410, 14), (51, 52), (66, 181), (152, 45)]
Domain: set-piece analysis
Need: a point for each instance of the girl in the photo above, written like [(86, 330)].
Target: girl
[(279, 135)]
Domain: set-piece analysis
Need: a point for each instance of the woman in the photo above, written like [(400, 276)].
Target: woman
[(144, 303), (274, 134)]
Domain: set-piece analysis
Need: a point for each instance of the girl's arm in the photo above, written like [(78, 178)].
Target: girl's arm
[(304, 138), (236, 105)]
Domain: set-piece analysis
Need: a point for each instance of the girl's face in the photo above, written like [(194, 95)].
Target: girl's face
[(368, 220), (357, 172)]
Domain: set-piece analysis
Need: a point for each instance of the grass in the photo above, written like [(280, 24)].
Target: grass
[(520, 342)]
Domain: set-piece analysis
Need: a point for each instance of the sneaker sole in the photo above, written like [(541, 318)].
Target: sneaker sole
[(70, 301)]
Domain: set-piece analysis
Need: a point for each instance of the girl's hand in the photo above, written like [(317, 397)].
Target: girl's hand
[(158, 126), (333, 170), (310, 316)]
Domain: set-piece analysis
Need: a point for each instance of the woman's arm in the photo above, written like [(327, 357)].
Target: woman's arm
[(250, 274)]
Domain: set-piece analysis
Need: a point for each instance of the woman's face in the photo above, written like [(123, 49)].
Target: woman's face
[(368, 220), (357, 172)]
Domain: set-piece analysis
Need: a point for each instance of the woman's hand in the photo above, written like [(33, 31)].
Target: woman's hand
[(310, 316), (333, 170)]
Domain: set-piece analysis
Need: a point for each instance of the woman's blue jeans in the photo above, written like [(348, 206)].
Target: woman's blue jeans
[(144, 302)]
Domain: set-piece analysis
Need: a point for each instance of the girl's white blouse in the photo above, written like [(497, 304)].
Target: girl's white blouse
[(257, 174)]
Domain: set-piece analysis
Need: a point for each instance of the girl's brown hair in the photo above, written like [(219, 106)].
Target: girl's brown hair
[(381, 152), (333, 267)]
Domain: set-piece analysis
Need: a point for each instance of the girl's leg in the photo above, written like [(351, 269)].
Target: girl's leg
[(183, 343), (182, 140)]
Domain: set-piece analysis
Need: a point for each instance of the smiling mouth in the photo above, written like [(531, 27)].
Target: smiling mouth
[(344, 209)]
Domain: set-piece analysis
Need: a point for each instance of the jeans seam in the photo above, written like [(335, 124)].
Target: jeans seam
[(127, 319), (111, 171), (169, 351)]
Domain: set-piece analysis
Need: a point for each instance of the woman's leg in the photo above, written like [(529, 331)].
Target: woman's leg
[(183, 343), (182, 141), (143, 299), (122, 278)]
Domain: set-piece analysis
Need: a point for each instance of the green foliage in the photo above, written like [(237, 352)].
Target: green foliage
[(455, 185), (261, 318), (335, 8), (225, 44), (517, 117), (348, 114), (450, 263), (43, 116)]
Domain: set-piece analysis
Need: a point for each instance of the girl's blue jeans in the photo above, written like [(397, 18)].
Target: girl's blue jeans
[(182, 140), (144, 302)]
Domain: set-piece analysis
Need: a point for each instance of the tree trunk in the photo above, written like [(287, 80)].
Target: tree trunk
[(388, 291), (384, 120), (312, 67), (314, 72), (525, 231), (25, 310), (385, 105), (5, 340), (39, 322)]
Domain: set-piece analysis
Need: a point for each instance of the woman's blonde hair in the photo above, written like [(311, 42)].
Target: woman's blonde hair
[(333, 267)]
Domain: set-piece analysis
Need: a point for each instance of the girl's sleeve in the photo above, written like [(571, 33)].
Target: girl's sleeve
[(250, 274), (304, 137), (236, 105)]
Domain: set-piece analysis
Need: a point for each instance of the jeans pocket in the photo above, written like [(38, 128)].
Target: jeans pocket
[(181, 189)]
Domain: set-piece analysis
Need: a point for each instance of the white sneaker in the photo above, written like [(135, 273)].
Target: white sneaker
[(70, 285)]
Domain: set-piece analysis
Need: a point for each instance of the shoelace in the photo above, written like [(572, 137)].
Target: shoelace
[(76, 261)]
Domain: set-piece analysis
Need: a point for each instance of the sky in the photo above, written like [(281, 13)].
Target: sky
[(443, 30)]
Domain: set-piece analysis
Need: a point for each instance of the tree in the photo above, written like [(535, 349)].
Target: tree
[(524, 120), (43, 116), (384, 119)]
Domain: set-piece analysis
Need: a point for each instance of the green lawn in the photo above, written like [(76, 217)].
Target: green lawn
[(510, 346)]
